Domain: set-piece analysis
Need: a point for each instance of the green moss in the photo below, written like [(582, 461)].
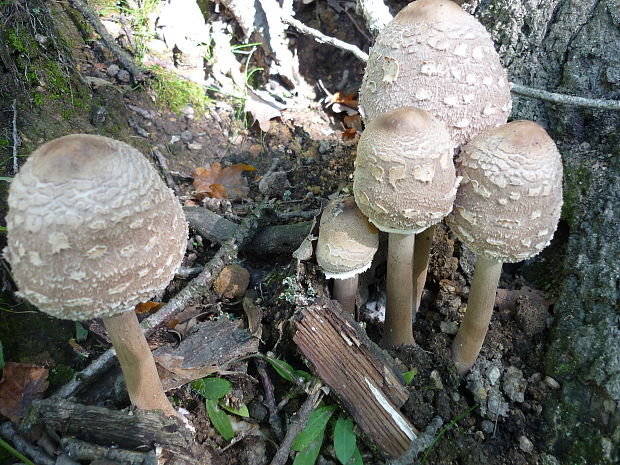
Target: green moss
[(175, 93), (21, 42), (577, 179), (60, 375)]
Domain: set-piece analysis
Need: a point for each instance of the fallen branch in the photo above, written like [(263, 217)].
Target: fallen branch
[(375, 13), (275, 420), (7, 431), (196, 288), (163, 165), (93, 19), (298, 423), (16, 140), (86, 451)]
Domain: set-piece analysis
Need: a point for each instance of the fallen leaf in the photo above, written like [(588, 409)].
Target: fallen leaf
[(21, 383), (221, 183), (148, 307), (262, 110), (349, 133)]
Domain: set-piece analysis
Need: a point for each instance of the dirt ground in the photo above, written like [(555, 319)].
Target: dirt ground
[(314, 162)]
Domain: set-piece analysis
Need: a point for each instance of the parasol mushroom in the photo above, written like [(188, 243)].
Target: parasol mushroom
[(92, 231), (347, 242), (404, 182), (506, 210)]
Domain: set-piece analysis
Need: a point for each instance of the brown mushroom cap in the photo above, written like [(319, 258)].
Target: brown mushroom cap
[(404, 177), (92, 230), (347, 241), (435, 56), (508, 204)]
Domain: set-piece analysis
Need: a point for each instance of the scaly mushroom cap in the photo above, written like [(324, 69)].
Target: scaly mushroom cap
[(92, 230), (435, 56), (404, 177), (508, 204), (347, 241)]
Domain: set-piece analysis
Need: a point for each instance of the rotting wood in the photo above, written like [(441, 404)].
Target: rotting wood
[(362, 376), (271, 240), (126, 430), (81, 450)]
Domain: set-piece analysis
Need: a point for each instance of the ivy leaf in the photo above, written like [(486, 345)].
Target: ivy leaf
[(212, 388), (219, 419), (314, 428), (344, 439)]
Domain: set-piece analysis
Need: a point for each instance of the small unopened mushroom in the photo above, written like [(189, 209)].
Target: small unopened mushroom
[(404, 182), (435, 56), (347, 243), (92, 231), (506, 210)]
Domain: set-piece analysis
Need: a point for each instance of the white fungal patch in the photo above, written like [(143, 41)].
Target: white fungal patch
[(390, 69), (502, 201), (457, 74), (535, 214), (461, 49), (526, 242), (489, 110), (478, 53), (127, 251), (136, 224), (410, 213), (424, 173), (58, 241), (541, 245), (97, 225), (468, 237), (437, 43), (514, 196), (451, 100), (543, 232), (462, 123), (77, 275), (495, 242), (481, 190), (507, 222), (377, 172), (423, 94), (81, 302), (471, 79), (35, 258), (143, 272), (387, 406), (119, 289), (429, 68), (534, 192), (487, 80), (97, 251), (468, 98), (371, 86), (151, 243), (396, 173), (466, 215)]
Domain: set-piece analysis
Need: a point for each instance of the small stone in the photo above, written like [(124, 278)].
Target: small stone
[(493, 375), (552, 383), (99, 115), (194, 146), (274, 184), (449, 327), (113, 70), (548, 459), (525, 444), (455, 396), (535, 378), (187, 136), (232, 282), (324, 146), (123, 75), (487, 426), (436, 379), (255, 150), (514, 384)]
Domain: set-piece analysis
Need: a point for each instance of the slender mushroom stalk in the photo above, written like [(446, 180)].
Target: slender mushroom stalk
[(421, 257), (92, 231), (404, 182), (347, 242), (507, 209)]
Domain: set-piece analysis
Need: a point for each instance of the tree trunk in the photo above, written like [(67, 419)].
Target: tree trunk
[(571, 47)]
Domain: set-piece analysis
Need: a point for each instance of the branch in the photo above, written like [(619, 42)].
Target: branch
[(563, 99), (16, 140), (375, 13), (196, 288), (323, 39), (8, 432)]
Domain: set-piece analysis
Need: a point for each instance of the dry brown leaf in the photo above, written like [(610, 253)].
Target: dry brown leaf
[(148, 307), (221, 183), (341, 98), (262, 110), (21, 383)]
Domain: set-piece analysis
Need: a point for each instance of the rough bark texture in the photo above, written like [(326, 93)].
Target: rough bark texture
[(571, 46)]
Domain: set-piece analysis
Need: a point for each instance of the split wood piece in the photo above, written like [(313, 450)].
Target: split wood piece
[(126, 430), (210, 347), (86, 451), (197, 287), (10, 434), (271, 240), (363, 376)]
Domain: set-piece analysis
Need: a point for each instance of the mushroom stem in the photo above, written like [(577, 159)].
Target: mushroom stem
[(468, 341), (421, 255), (137, 363), (397, 329), (344, 292)]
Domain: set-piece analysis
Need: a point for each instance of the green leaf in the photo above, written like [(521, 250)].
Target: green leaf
[(309, 454), (344, 439), (356, 459), (219, 419), (7, 179), (314, 428), (1, 357), (409, 375), (242, 412), (287, 371), (81, 333), (212, 388)]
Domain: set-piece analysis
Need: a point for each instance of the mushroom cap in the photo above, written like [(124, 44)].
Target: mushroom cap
[(92, 230), (347, 241), (435, 56), (404, 177), (508, 204)]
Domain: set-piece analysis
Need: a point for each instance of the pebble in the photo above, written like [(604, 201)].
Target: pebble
[(487, 426), (552, 383), (525, 444), (194, 146), (449, 327), (232, 282), (493, 375), (514, 384), (113, 70), (324, 146), (436, 379), (123, 75), (187, 136)]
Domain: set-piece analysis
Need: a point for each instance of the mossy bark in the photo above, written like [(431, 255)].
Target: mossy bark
[(571, 47)]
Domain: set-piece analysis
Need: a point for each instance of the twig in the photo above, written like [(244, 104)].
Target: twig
[(421, 442), (323, 39), (270, 401), (8, 432), (375, 13), (564, 99), (16, 140), (197, 287), (93, 19), (82, 451), (298, 422), (163, 164)]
